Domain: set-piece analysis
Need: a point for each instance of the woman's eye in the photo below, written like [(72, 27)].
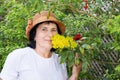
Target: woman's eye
[(43, 29), (54, 30)]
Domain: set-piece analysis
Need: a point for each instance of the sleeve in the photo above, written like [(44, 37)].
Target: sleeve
[(9, 71)]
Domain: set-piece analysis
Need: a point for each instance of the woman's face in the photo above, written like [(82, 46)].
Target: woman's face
[(44, 32)]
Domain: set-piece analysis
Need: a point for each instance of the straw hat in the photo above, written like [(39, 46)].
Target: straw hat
[(42, 17)]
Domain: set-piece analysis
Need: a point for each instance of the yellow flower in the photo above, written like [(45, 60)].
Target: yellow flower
[(59, 41), (72, 43)]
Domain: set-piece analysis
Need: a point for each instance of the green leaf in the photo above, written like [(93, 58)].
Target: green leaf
[(63, 56), (84, 65), (86, 46), (118, 68), (77, 61), (82, 50)]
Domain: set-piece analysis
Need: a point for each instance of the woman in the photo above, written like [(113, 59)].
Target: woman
[(38, 61)]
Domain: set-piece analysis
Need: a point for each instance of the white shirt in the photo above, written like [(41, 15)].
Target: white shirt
[(26, 64)]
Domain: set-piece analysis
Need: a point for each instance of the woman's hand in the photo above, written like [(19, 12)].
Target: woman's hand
[(75, 71)]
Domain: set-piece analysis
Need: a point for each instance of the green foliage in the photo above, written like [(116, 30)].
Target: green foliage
[(114, 75), (113, 27), (101, 20)]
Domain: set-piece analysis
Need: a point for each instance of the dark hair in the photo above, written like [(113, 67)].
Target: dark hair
[(32, 34)]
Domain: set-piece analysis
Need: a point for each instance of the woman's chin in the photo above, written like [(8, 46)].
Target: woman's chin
[(49, 47)]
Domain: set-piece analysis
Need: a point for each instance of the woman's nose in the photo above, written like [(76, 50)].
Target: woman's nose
[(50, 33)]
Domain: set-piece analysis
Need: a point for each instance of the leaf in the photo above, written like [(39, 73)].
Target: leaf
[(84, 65), (70, 60), (63, 56), (70, 64), (77, 61), (94, 44), (86, 46), (81, 50), (118, 68), (70, 56)]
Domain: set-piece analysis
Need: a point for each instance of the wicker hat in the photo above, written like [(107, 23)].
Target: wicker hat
[(42, 17)]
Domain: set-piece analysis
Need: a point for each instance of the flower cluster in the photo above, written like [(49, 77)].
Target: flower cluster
[(67, 48), (59, 41)]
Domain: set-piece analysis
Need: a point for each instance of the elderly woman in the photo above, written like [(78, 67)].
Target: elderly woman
[(38, 61)]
